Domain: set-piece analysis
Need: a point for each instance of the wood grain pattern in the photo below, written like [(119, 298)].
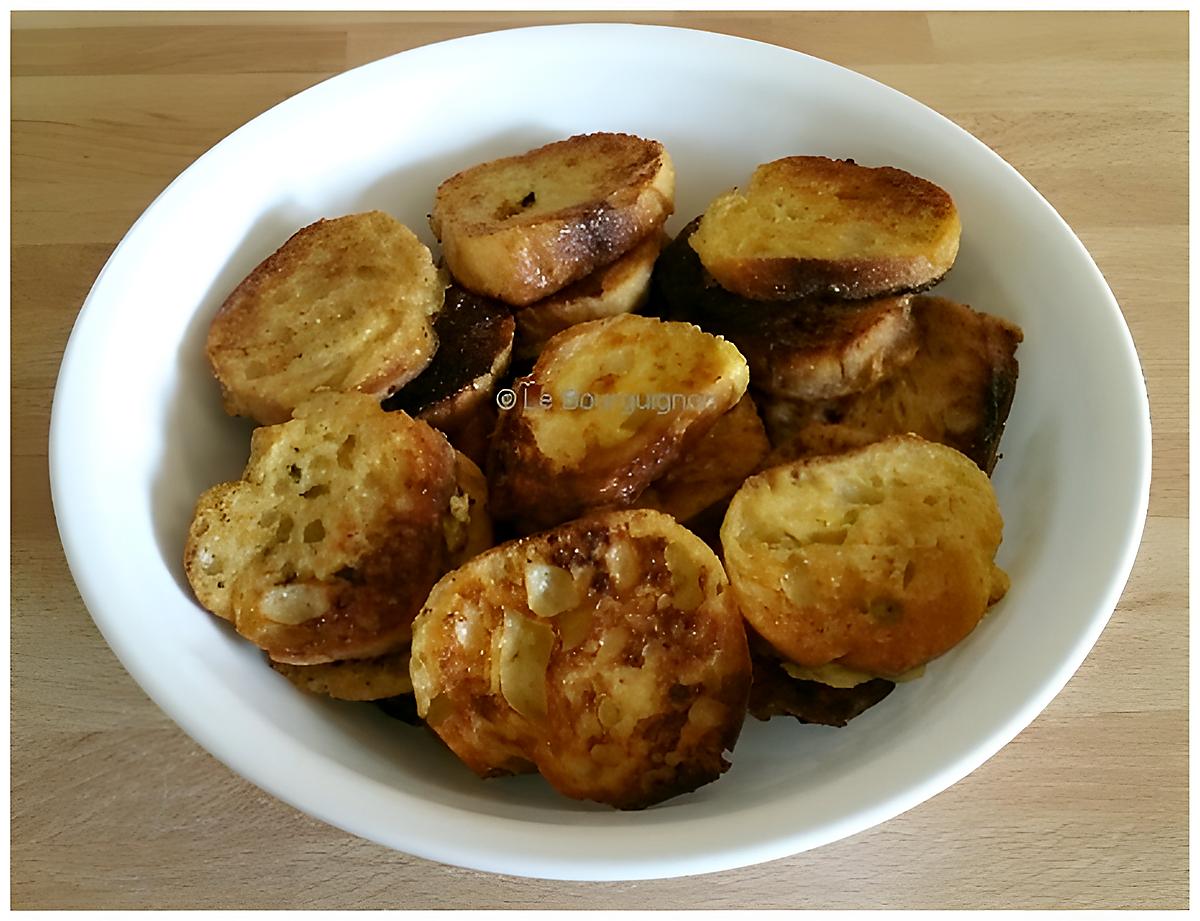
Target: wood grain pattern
[(114, 807)]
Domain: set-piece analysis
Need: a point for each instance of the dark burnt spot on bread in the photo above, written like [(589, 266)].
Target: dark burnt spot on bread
[(471, 331), (774, 692)]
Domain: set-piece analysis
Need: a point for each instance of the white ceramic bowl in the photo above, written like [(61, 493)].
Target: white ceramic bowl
[(138, 432)]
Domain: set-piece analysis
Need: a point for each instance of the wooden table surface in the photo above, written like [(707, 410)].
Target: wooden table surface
[(113, 806)]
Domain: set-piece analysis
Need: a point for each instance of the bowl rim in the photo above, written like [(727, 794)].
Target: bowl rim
[(486, 843)]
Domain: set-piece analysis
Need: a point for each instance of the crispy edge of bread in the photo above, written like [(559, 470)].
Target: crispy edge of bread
[(813, 348), (475, 344), (352, 679), (713, 469), (519, 259), (229, 336), (899, 194), (455, 394), (975, 351), (620, 287), (776, 693)]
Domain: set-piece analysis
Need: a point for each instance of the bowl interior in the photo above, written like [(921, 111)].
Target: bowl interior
[(138, 433)]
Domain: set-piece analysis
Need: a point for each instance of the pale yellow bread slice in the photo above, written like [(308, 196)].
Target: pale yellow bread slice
[(345, 305), (877, 560), (606, 654), (813, 226), (609, 407), (621, 287), (523, 227)]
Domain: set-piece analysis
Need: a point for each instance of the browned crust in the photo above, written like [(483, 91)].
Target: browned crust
[(957, 390), (804, 349), (717, 464), (352, 679), (777, 279), (607, 291), (776, 693), (545, 252), (475, 341)]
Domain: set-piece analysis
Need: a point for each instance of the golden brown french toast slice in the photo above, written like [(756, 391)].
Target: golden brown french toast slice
[(714, 468), (808, 349), (620, 287), (352, 679), (455, 393), (343, 520), (521, 228), (610, 406), (813, 226), (345, 305), (875, 561), (606, 654), (956, 390)]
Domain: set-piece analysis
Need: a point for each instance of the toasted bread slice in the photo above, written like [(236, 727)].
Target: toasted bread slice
[(877, 560), (328, 545), (610, 406), (956, 390), (776, 693), (620, 287), (606, 653), (345, 305), (352, 679), (468, 527), (455, 393), (523, 227), (714, 468), (811, 226), (810, 349)]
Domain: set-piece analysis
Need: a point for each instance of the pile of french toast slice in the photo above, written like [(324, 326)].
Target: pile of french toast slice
[(577, 496)]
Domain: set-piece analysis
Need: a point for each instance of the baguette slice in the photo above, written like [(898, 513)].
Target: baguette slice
[(776, 693), (805, 349), (714, 468), (352, 679), (345, 305), (521, 228), (956, 390), (606, 654), (621, 287), (611, 405), (455, 393), (814, 226), (877, 560), (328, 545)]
